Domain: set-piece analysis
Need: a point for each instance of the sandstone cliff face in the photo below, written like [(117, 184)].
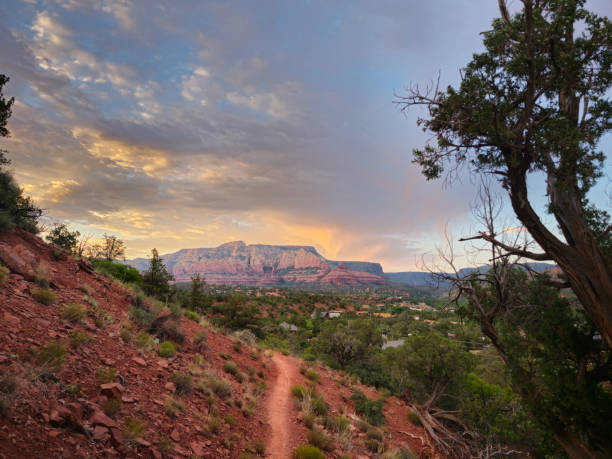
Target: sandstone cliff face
[(236, 263)]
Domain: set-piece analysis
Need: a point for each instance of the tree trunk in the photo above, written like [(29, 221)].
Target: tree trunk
[(582, 261)]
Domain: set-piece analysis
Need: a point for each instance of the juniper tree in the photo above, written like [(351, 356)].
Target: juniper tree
[(535, 102)]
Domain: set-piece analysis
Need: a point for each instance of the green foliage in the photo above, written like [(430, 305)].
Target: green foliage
[(238, 314), (112, 407), (230, 367), (73, 312), (183, 383), (155, 280), (52, 355), (62, 237), (309, 418), (219, 386), (16, 210), (78, 338), (119, 271), (106, 374), (167, 349), (173, 406), (4, 271), (44, 295), (371, 410), (318, 405), (192, 316), (308, 452), (350, 342), (197, 298), (299, 392), (133, 427), (414, 418), (144, 341), (142, 317), (320, 439), (426, 363), (336, 423), (312, 375)]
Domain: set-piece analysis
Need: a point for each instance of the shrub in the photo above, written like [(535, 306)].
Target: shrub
[(200, 336), (126, 334), (375, 434), (73, 312), (336, 423), (119, 271), (191, 315), (78, 338), (112, 406), (90, 300), (144, 341), (259, 447), (172, 406), (254, 353), (52, 355), (183, 383), (230, 367), (372, 410), (374, 445), (142, 317), (133, 427), (220, 387), (299, 392), (106, 374), (320, 439), (237, 346), (308, 419), (4, 271), (230, 420), (168, 330), (212, 425), (414, 418), (312, 375), (44, 295), (308, 452), (167, 349), (319, 406)]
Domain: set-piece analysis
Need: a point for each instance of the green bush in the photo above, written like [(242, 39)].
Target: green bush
[(308, 452), (320, 439), (144, 341), (374, 445), (191, 315), (312, 375), (299, 392), (372, 410), (44, 295), (319, 406), (183, 383), (133, 427), (106, 374), (112, 407), (142, 317), (309, 419), (119, 271), (52, 355), (16, 210), (73, 312), (336, 423), (375, 434), (167, 349), (230, 367), (78, 338), (220, 387), (4, 271)]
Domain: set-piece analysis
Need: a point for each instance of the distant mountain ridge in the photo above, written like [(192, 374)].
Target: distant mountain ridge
[(235, 263)]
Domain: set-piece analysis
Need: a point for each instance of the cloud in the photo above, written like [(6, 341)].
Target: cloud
[(192, 124)]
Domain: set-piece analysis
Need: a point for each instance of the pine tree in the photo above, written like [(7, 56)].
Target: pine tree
[(156, 279)]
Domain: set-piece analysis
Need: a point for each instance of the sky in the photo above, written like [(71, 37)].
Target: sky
[(192, 123)]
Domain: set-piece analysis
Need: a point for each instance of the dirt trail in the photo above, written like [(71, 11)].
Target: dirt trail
[(279, 408)]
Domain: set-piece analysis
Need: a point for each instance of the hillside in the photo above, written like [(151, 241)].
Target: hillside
[(236, 263), (82, 376)]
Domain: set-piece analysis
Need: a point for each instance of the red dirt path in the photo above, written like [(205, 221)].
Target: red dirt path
[(280, 409)]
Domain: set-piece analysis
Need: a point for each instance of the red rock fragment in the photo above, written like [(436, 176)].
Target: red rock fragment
[(175, 435), (112, 390), (100, 433)]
